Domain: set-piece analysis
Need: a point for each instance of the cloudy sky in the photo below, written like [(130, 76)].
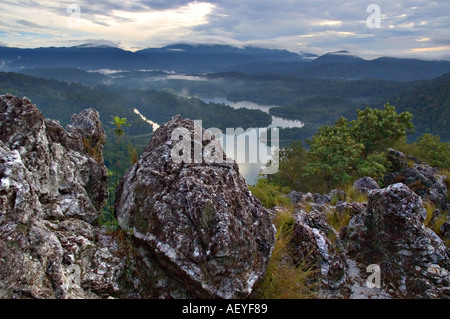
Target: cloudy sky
[(419, 28)]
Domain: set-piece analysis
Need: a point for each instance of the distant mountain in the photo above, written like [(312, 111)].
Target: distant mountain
[(210, 58), (83, 57), (178, 57), (343, 65), (337, 57), (205, 58), (59, 100), (429, 102), (70, 75)]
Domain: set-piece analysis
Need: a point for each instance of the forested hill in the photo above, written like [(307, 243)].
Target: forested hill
[(429, 102), (59, 100), (346, 66)]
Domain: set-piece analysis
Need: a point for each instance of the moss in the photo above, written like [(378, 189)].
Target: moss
[(208, 216), (92, 149)]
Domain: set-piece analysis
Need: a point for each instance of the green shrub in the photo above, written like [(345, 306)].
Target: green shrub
[(433, 151)]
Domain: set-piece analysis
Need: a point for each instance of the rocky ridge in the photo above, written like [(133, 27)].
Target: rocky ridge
[(187, 231), (386, 233), (193, 229)]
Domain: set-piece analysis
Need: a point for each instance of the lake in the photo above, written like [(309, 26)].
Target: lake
[(248, 168), (248, 148)]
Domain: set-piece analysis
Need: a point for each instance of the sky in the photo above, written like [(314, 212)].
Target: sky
[(418, 29)]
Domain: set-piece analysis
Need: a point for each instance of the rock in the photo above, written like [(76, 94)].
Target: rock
[(390, 233), (199, 220), (311, 247), (301, 198), (422, 179), (445, 229), (365, 184), (295, 197), (397, 159), (52, 184)]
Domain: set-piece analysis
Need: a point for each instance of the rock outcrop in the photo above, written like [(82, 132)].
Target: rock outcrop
[(192, 229), (187, 230), (52, 186), (414, 262), (386, 234), (365, 184), (198, 219), (310, 246), (421, 178)]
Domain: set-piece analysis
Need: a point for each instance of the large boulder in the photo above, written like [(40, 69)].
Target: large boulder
[(423, 179), (414, 262), (197, 219), (310, 247), (52, 183), (365, 185)]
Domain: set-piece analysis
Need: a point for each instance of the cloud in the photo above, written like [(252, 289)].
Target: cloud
[(317, 26)]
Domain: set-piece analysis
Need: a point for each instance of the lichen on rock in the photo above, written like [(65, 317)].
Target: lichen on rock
[(198, 218)]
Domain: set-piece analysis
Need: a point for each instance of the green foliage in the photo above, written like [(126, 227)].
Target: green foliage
[(108, 220), (340, 154), (433, 151), (344, 152), (118, 123), (378, 129), (334, 154), (270, 195), (291, 171), (429, 149)]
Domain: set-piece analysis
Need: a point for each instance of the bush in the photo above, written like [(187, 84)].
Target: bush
[(347, 151), (433, 151)]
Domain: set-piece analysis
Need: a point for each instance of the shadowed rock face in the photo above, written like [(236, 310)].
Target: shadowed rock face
[(390, 232), (51, 188), (421, 178), (198, 219), (196, 230)]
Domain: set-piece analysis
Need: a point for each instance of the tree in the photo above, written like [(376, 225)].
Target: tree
[(119, 122), (292, 161), (378, 129), (334, 154), (350, 150)]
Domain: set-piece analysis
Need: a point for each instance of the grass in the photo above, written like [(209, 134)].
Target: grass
[(284, 280), (436, 223), (354, 195), (270, 195), (108, 220), (446, 173), (338, 221)]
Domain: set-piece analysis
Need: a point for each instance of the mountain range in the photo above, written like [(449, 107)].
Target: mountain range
[(209, 58)]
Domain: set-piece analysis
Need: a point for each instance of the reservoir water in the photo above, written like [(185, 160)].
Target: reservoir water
[(252, 144), (248, 168)]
